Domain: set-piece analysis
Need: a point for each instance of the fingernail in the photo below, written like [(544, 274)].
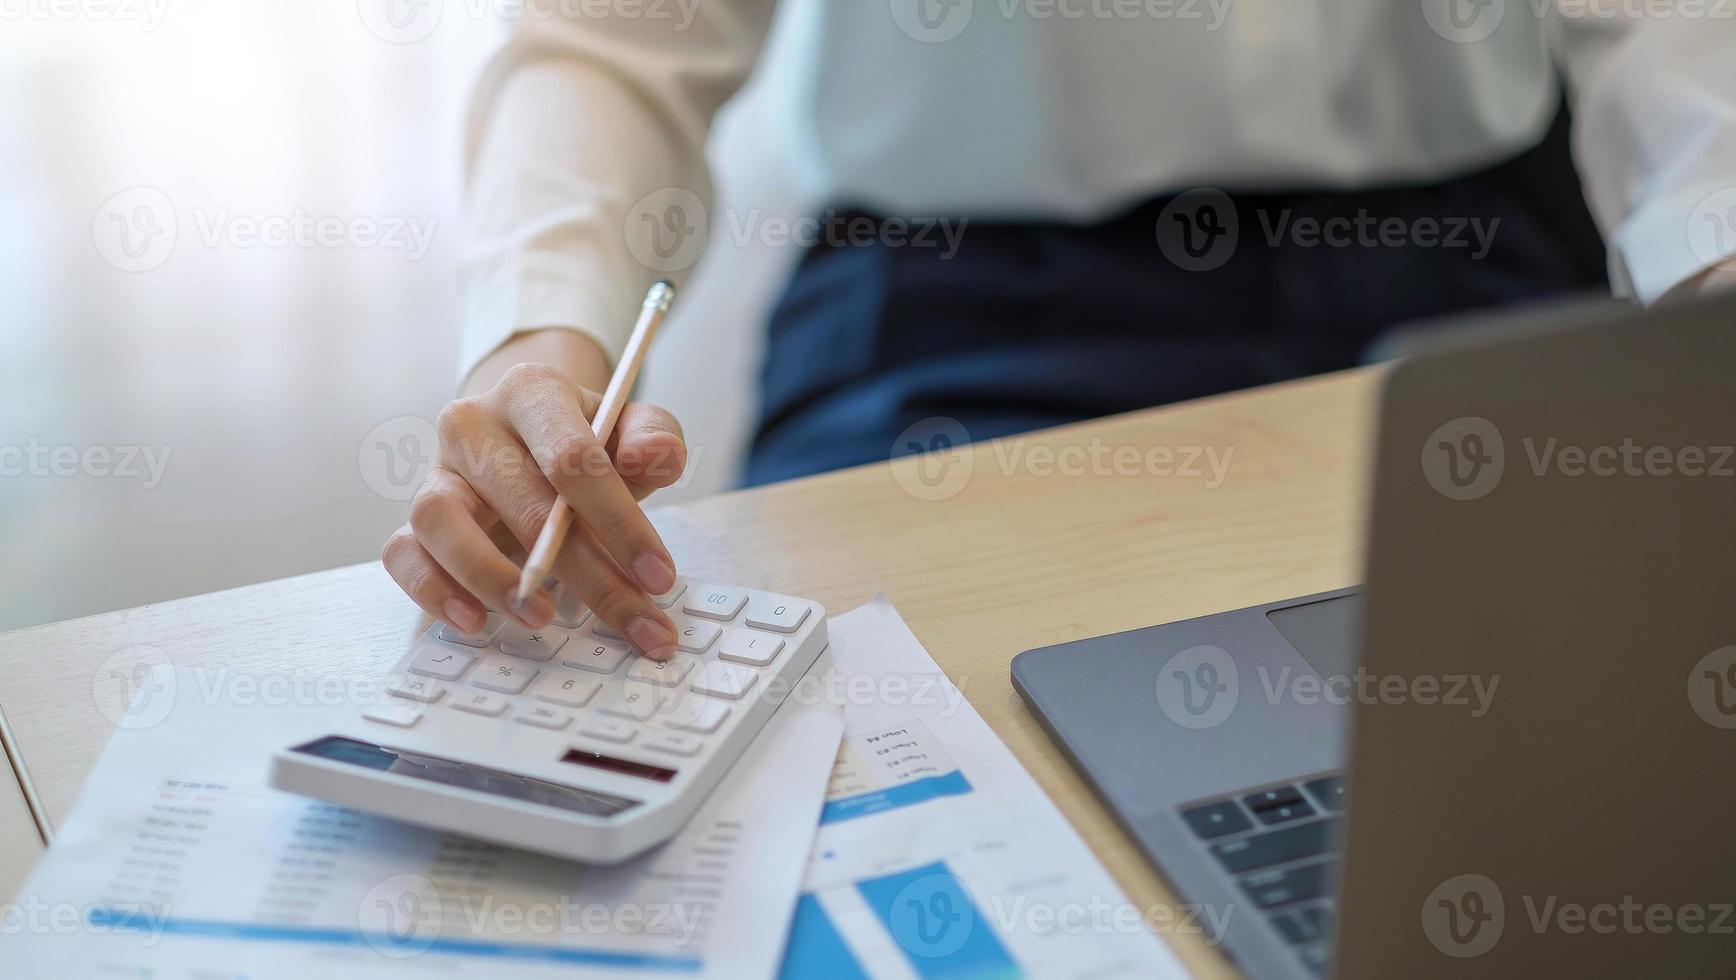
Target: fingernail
[(651, 637), (654, 573), (536, 612), (464, 614)]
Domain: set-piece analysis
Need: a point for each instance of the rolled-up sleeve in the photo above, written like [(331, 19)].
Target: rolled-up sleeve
[(577, 121), (1654, 98)]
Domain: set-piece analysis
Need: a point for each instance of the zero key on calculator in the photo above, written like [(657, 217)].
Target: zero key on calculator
[(777, 613)]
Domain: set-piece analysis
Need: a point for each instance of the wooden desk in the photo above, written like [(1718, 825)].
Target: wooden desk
[(1022, 556)]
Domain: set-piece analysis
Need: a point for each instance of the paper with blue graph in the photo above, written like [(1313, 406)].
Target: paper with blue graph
[(938, 856)]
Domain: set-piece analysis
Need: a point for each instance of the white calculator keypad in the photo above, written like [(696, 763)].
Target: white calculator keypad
[(566, 740), (581, 681)]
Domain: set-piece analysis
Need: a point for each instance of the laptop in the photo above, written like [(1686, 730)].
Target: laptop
[(1511, 753)]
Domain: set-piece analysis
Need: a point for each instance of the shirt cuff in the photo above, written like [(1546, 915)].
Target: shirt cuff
[(539, 290), (1675, 237)]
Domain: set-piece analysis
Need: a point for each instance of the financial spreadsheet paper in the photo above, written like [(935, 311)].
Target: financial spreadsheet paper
[(179, 862)]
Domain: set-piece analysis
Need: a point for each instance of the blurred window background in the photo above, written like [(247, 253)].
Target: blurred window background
[(228, 294)]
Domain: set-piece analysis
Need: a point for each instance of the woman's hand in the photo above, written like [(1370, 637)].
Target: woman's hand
[(503, 455)]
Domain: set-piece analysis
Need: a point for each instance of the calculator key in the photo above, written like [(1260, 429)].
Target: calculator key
[(403, 714), (566, 687), (667, 599), (636, 701), (696, 635), (603, 630), (675, 744), (594, 655), (540, 645), (570, 611), (441, 662), (665, 672), (777, 613), (714, 601), (542, 716), (699, 715), (720, 680), (480, 638), (607, 729), (749, 647), (417, 689), (479, 703), (508, 675)]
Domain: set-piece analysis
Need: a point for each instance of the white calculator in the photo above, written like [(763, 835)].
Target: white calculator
[(566, 740)]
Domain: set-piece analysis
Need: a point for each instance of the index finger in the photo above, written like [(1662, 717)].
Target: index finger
[(551, 422)]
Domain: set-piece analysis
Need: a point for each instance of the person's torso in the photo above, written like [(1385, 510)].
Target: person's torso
[(1074, 108)]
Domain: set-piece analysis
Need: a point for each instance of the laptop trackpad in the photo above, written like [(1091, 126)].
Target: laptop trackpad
[(1325, 633)]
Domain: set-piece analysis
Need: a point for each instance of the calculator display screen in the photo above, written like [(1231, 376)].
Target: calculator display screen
[(465, 775)]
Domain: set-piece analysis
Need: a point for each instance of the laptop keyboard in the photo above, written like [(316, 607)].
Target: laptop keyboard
[(1281, 846)]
